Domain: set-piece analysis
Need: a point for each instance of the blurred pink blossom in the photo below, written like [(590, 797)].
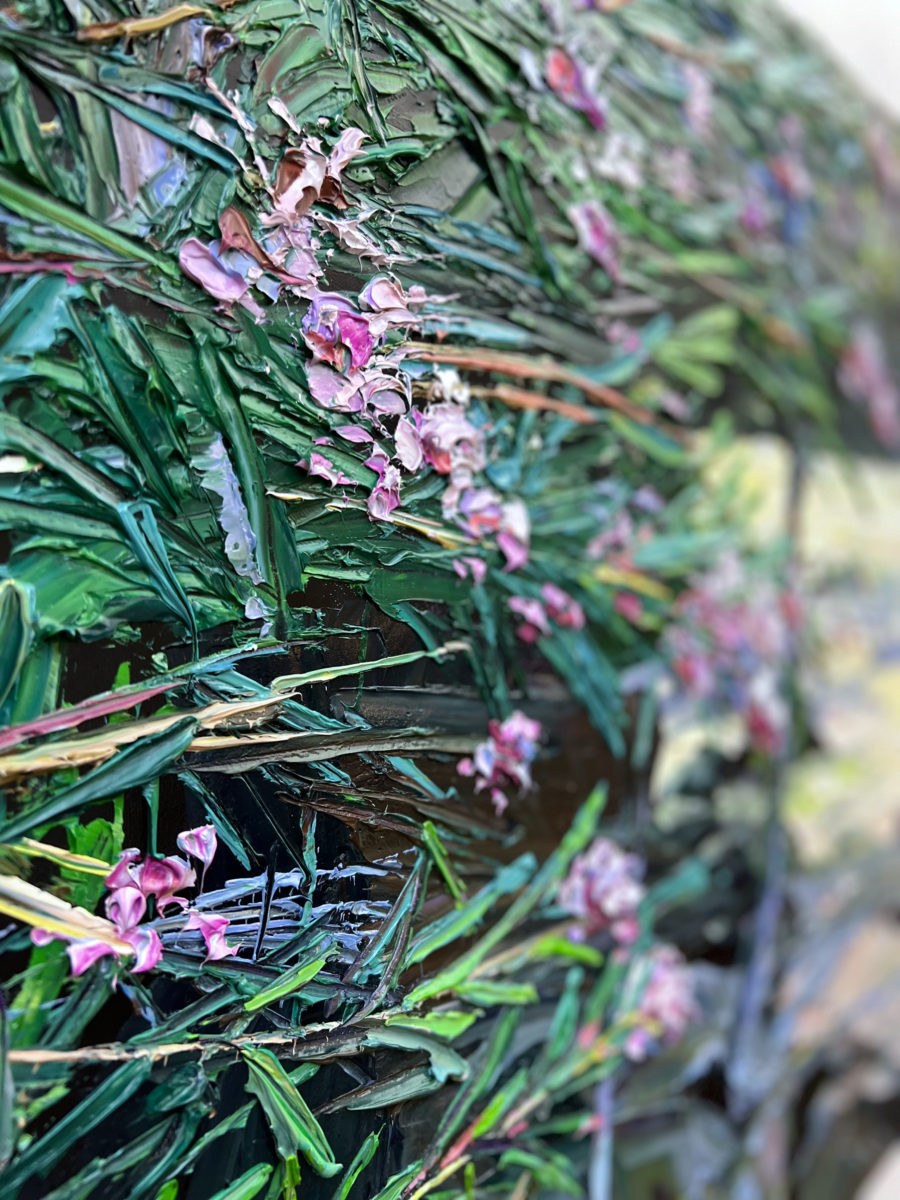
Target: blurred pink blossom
[(505, 758), (603, 890)]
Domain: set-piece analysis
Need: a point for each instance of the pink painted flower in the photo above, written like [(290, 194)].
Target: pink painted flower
[(535, 623), (666, 1006), (200, 843), (319, 465), (629, 606), (385, 394), (146, 945), (335, 331), (125, 907), (120, 875), (162, 878), (353, 433), (482, 512), (597, 234), (200, 263), (604, 891), (505, 758), (213, 930), (729, 647), (392, 307), (477, 567), (347, 147), (674, 168), (514, 536), (408, 442), (385, 496), (305, 175), (571, 81), (83, 953), (450, 442), (621, 161), (562, 608), (332, 390)]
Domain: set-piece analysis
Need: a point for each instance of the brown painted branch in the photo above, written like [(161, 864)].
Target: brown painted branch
[(520, 367), (516, 397)]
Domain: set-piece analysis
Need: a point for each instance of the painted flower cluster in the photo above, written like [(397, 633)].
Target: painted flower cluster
[(730, 644), (603, 890), (134, 881), (505, 758), (666, 1003), (355, 366)]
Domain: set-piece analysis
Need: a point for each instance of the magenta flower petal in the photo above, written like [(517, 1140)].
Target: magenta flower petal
[(147, 948), (120, 875), (163, 877), (125, 906), (203, 266), (83, 954), (199, 843), (213, 930)]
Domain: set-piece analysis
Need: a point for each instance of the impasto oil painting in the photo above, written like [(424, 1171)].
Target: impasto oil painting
[(434, 587)]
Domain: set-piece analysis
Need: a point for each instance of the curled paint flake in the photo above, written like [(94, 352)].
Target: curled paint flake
[(217, 475)]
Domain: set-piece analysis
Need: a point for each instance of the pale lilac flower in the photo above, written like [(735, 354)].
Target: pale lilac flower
[(729, 645), (505, 758), (674, 168), (353, 433), (201, 264), (347, 147), (213, 930), (408, 443), (319, 465), (597, 234), (666, 1006), (620, 161), (392, 308), (385, 394), (450, 442), (604, 891), (514, 536), (385, 496), (332, 390)]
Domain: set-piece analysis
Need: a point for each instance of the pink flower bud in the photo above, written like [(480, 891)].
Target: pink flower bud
[(213, 930)]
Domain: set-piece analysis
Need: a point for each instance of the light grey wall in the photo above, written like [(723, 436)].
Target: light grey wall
[(864, 35)]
